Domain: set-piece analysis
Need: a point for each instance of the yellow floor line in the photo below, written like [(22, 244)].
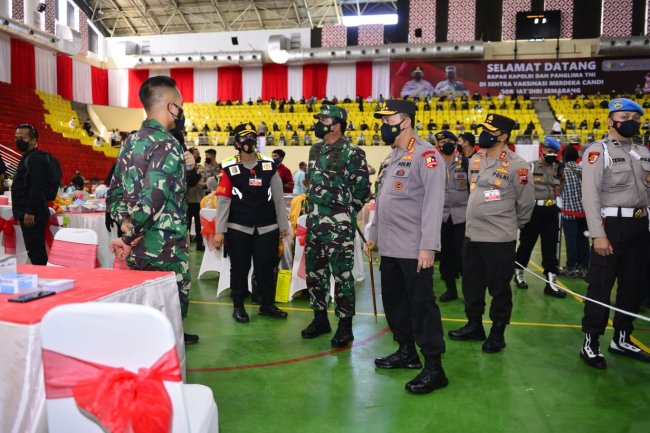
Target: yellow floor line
[(609, 321), (444, 319)]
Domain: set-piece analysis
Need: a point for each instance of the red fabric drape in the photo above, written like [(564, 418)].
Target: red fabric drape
[(275, 81), (64, 76), (99, 85), (136, 78), (314, 80), (185, 82), (364, 79), (23, 64), (229, 84)]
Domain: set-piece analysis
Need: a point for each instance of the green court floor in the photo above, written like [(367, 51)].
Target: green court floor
[(266, 378)]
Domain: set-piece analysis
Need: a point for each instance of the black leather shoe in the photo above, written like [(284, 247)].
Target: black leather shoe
[(343, 336), (496, 340), (190, 338), (590, 352), (319, 326), (272, 311), (427, 381), (402, 358), (451, 294), (548, 291), (448, 296), (622, 345), (200, 247), (240, 315), (471, 331)]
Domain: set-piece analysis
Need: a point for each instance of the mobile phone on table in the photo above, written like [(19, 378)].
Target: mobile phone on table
[(31, 296)]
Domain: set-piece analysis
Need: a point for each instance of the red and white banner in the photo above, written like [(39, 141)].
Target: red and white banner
[(25, 65)]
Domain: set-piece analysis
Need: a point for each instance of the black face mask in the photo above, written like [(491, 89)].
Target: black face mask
[(197, 159), (459, 148), (448, 147), (248, 146), (179, 122), (550, 158), (628, 128), (487, 140), (208, 160), (22, 145), (389, 133), (321, 130)]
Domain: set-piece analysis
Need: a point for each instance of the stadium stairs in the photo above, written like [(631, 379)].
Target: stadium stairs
[(22, 105)]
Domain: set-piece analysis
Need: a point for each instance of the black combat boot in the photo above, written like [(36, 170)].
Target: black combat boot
[(432, 377), (343, 335), (473, 330), (496, 340), (451, 294), (319, 326), (622, 345), (405, 357), (590, 352)]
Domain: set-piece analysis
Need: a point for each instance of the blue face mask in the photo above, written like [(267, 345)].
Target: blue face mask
[(276, 160)]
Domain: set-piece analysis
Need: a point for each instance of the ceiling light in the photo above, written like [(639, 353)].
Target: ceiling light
[(358, 20)]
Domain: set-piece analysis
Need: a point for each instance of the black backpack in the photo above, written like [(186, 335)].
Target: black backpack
[(52, 177)]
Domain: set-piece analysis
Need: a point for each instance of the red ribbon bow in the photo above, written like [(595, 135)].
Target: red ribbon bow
[(208, 230), (8, 235), (116, 397), (301, 234)]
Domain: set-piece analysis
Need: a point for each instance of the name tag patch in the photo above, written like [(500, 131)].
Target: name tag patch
[(255, 182), (492, 195)]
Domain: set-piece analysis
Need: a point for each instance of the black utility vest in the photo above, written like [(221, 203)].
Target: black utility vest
[(252, 202)]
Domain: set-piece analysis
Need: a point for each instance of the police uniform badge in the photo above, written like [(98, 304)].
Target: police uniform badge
[(593, 157), (397, 186), (266, 166), (523, 176), (234, 170), (429, 159)]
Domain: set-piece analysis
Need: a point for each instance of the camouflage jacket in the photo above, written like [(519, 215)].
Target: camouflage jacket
[(338, 177), (149, 190)]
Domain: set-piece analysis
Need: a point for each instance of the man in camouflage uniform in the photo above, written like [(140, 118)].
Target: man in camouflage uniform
[(147, 196), (338, 189)]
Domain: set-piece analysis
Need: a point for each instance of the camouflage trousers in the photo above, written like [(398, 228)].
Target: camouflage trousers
[(329, 251), (179, 267)]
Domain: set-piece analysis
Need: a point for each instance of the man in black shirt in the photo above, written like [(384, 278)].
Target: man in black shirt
[(28, 202)]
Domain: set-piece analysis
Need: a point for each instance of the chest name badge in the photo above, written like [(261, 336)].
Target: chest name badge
[(492, 195), (234, 170), (255, 182), (266, 166)]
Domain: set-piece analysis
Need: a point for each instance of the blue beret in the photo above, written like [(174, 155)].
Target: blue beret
[(553, 143), (624, 104), (446, 134)]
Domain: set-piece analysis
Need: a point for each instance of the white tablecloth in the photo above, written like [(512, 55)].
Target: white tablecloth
[(21, 252), (96, 222), (22, 390)]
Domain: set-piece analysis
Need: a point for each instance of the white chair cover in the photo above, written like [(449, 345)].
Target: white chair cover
[(120, 335)]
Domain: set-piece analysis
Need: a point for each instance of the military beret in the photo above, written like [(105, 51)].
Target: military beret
[(552, 143), (624, 104)]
